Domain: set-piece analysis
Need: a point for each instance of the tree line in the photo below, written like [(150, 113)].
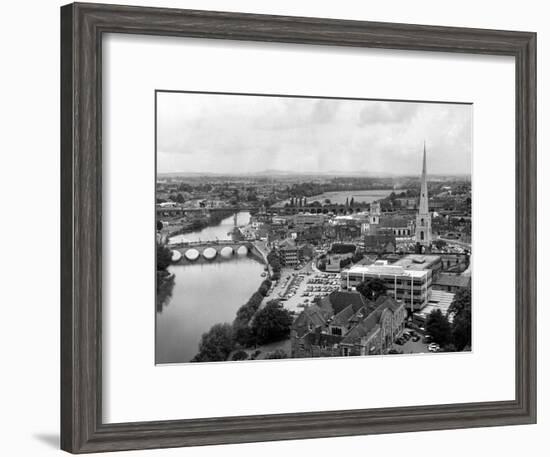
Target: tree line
[(251, 327), (455, 336)]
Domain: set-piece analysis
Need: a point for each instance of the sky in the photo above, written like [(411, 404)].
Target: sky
[(239, 134)]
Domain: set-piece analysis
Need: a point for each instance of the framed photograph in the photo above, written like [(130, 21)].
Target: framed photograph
[(283, 227)]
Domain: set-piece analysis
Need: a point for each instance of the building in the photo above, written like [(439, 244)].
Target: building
[(440, 300), (169, 210), (381, 243), (308, 234), (451, 282), (399, 226), (423, 232), (346, 324), (308, 219), (376, 333), (422, 262), (412, 286), (290, 252)]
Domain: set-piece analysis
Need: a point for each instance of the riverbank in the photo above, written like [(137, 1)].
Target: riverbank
[(197, 224)]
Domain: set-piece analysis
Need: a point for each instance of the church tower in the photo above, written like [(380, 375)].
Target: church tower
[(423, 235)]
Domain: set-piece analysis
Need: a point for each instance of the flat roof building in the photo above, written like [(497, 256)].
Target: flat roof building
[(440, 300), (421, 262), (412, 286)]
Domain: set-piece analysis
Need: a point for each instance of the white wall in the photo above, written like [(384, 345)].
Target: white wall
[(29, 175)]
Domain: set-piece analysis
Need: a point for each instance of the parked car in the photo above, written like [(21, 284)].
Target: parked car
[(433, 347)]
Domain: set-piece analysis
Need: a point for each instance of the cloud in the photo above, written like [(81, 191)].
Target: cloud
[(233, 133), (377, 112)]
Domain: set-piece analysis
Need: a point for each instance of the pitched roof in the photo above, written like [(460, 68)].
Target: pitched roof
[(364, 328), (388, 302), (342, 318), (338, 300), (312, 316), (369, 325), (287, 244), (452, 280), (322, 339), (392, 221)]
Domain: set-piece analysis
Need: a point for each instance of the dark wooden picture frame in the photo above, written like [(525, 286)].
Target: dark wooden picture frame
[(82, 28)]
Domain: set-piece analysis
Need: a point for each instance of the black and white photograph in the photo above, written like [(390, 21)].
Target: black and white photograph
[(300, 227)]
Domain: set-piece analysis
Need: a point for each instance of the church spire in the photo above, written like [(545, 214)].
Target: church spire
[(424, 162), (423, 206), (423, 233)]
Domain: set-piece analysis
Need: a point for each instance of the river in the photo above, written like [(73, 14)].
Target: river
[(214, 232), (364, 196), (203, 294)]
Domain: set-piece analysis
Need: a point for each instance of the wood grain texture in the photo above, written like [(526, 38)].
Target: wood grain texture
[(82, 27)]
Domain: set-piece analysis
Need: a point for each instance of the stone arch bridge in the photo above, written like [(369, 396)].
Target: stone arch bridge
[(209, 250)]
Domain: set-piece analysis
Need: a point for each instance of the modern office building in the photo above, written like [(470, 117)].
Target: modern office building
[(412, 286)]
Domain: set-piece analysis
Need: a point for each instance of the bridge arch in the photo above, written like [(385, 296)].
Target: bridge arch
[(192, 254), (226, 251), (242, 250), (209, 253)]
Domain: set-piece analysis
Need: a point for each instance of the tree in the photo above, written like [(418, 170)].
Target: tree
[(347, 202), (462, 331), (438, 327), (264, 287), (243, 334), (372, 288), (240, 355), (462, 322), (216, 344), (462, 301), (179, 198), (164, 257), (272, 323), (159, 226), (274, 261), (327, 201), (352, 201)]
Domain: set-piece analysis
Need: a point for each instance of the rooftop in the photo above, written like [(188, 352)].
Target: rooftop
[(439, 299), (379, 268), (418, 261), (452, 280)]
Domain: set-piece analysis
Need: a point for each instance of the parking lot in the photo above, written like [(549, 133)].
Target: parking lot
[(410, 346), (297, 288)]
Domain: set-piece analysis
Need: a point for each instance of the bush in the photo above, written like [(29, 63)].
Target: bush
[(278, 354), (342, 248), (240, 355)]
